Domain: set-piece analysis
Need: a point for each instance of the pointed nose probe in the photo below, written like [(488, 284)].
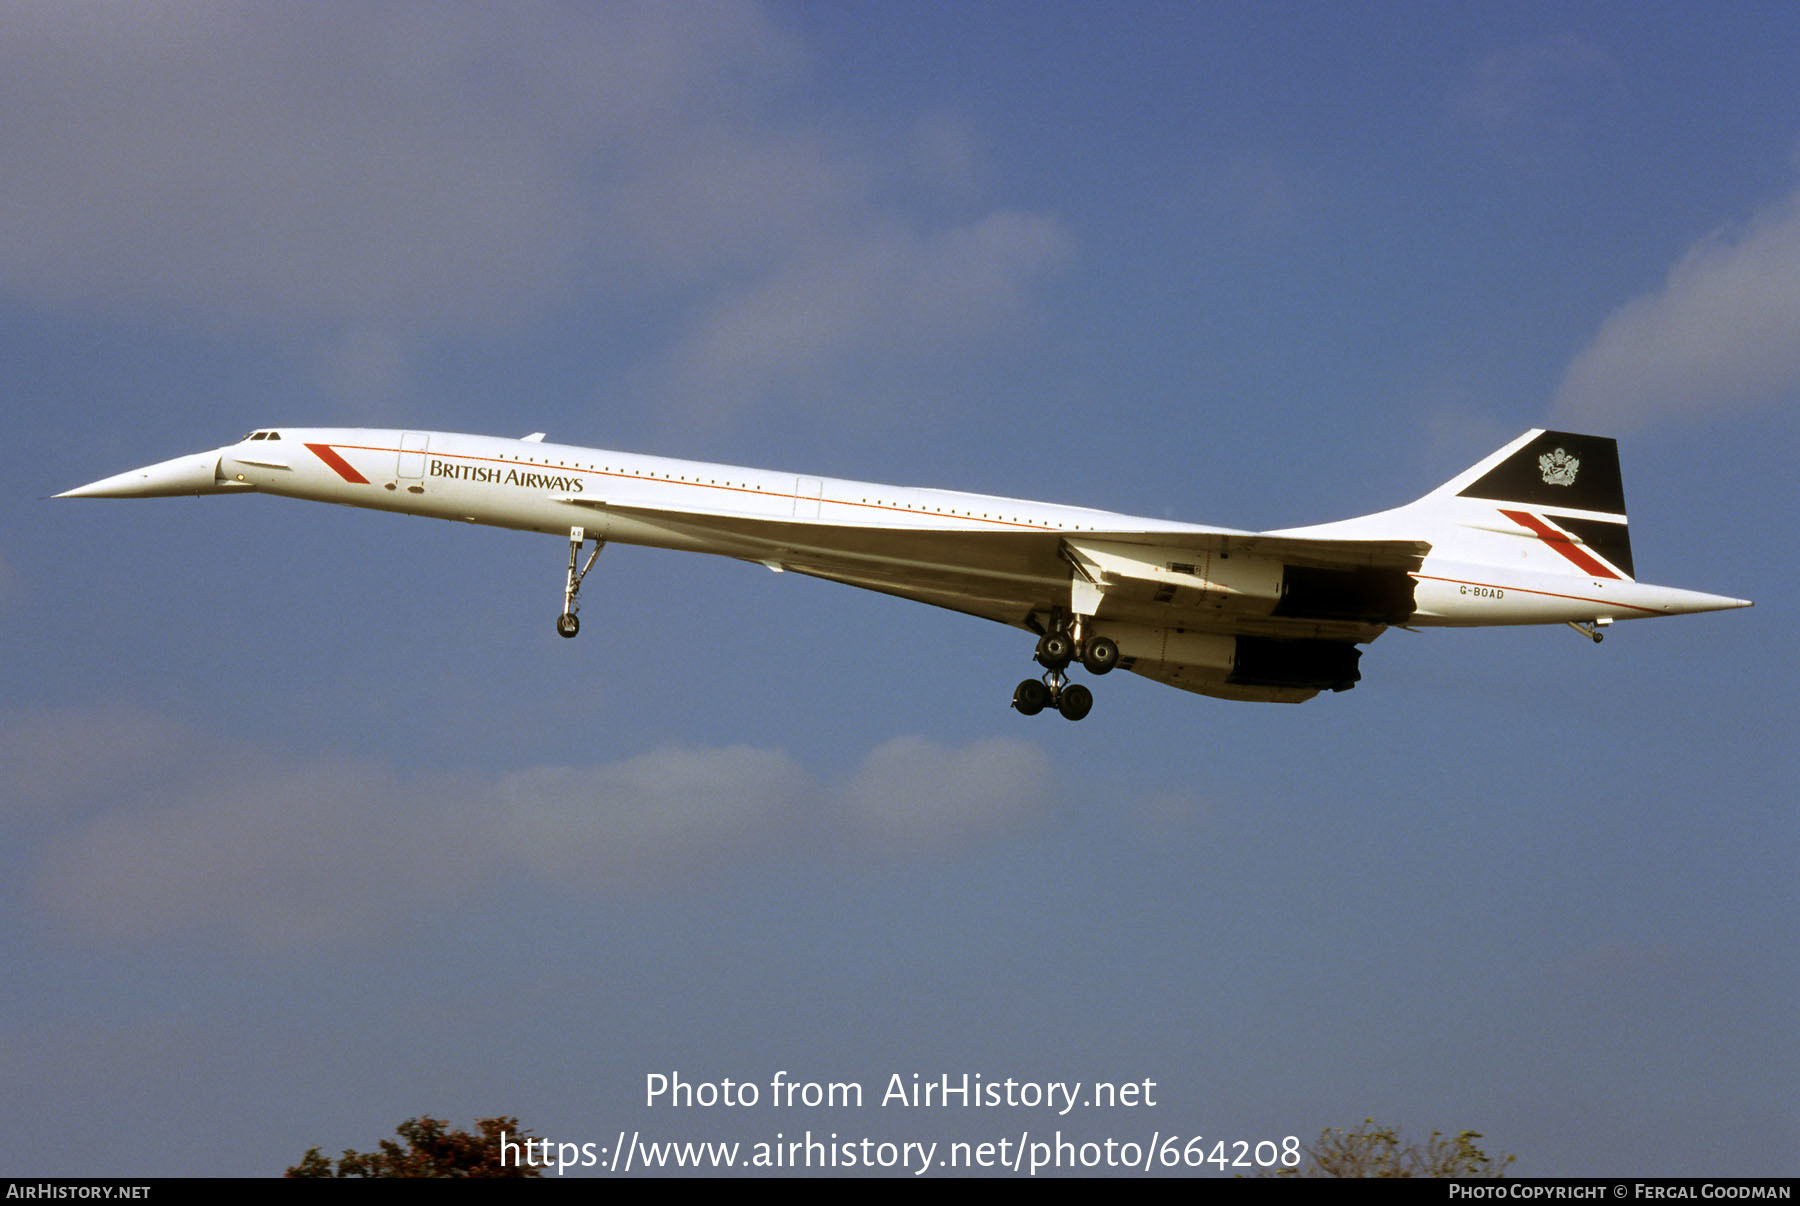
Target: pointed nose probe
[(195, 473)]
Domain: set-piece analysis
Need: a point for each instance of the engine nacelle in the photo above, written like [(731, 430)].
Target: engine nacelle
[(1368, 594), (1243, 660), (1266, 662)]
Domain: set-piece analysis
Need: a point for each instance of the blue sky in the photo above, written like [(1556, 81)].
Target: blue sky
[(317, 825)]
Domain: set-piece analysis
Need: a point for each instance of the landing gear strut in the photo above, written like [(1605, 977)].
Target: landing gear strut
[(1062, 644), (1591, 629), (567, 625)]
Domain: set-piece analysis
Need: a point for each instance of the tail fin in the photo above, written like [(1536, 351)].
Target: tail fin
[(1550, 498)]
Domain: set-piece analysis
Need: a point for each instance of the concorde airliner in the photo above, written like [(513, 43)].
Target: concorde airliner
[(1533, 534)]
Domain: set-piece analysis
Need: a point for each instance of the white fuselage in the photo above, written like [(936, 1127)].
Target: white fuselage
[(529, 485), (1239, 614), (620, 496)]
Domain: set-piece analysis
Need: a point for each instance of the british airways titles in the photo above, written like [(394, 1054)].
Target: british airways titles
[(508, 476)]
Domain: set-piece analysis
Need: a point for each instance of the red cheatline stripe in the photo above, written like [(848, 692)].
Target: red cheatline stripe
[(1560, 542), (324, 450), (1526, 590), (344, 468)]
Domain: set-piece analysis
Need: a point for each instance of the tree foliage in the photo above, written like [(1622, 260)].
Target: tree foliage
[(432, 1149), (1372, 1150)]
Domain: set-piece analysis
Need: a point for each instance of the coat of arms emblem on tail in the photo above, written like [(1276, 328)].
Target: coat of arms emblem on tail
[(1558, 468)]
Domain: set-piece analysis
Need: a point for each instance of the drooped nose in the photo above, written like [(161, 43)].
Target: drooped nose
[(195, 473)]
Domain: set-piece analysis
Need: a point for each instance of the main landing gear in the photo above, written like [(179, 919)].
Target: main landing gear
[(567, 625), (1057, 648)]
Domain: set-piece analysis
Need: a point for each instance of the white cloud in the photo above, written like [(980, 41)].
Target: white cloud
[(912, 793), (277, 854), (274, 850), (275, 164), (1722, 333), (671, 813), (52, 756), (360, 178), (883, 291), (718, 201)]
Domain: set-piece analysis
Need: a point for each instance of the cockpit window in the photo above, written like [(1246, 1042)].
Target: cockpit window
[(274, 435), (248, 436)]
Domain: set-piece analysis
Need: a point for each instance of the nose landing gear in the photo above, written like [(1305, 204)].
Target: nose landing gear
[(567, 624)]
